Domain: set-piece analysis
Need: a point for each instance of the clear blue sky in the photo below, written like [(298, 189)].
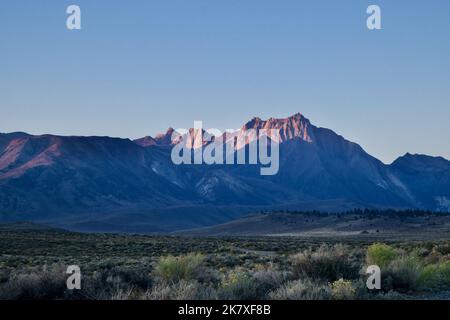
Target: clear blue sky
[(137, 67)]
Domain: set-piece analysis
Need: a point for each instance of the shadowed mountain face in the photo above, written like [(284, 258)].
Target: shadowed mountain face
[(111, 184), (426, 178)]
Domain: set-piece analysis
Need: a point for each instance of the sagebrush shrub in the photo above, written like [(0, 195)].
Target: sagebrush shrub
[(267, 280), (326, 263), (174, 269), (182, 290), (430, 278), (443, 249), (402, 274), (49, 283), (303, 289), (444, 270), (343, 290), (239, 286), (123, 294), (435, 277)]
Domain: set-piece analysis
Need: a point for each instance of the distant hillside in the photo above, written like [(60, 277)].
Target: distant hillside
[(27, 227), (317, 224)]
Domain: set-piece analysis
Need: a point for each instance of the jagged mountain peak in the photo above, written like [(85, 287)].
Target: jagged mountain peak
[(161, 139), (295, 126), (146, 141), (294, 120), (168, 133)]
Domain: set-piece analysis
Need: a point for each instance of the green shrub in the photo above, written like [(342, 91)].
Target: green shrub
[(430, 278), (435, 277), (444, 269), (302, 290), (239, 286), (343, 290), (380, 254), (402, 274), (174, 269), (326, 263)]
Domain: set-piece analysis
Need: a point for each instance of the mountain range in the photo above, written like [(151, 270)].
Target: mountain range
[(121, 185)]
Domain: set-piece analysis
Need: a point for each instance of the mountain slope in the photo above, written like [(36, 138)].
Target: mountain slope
[(102, 183), (42, 175), (427, 179)]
